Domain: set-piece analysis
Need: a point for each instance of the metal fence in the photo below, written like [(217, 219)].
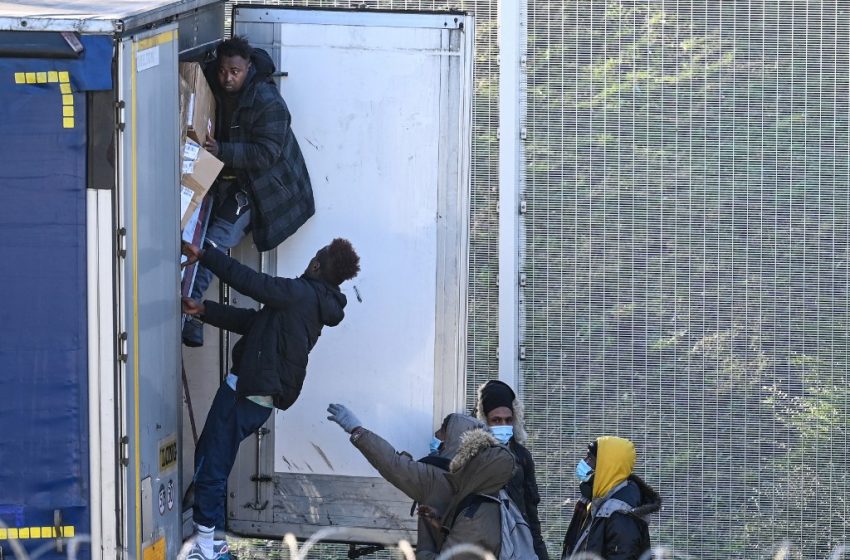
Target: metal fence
[(686, 253)]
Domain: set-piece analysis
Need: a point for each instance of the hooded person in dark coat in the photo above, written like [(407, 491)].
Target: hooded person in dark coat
[(611, 519), (423, 481), (500, 409), (269, 363), (264, 186)]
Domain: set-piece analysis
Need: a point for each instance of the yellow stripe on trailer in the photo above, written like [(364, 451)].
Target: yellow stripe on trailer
[(155, 551), (32, 533), (63, 78)]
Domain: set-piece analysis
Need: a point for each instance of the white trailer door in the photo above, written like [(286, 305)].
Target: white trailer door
[(380, 105)]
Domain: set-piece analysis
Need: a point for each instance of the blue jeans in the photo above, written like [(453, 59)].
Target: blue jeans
[(230, 221), (230, 420)]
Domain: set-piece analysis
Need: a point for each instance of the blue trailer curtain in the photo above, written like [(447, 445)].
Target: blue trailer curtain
[(43, 339)]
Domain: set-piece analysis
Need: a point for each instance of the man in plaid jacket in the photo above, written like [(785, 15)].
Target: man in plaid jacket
[(264, 186)]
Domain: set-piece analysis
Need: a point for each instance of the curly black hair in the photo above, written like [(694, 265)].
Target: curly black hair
[(341, 262), (235, 46)]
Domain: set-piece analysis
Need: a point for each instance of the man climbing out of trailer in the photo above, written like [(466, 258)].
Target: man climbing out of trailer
[(448, 515), (500, 409), (268, 365), (264, 186), (610, 520), (424, 480)]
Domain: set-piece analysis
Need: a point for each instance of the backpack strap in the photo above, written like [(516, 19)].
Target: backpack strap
[(471, 501)]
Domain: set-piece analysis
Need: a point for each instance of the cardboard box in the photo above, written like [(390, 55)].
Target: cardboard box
[(188, 205), (185, 93), (199, 171), (199, 119)]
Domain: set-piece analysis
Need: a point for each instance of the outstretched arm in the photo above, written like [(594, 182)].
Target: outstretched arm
[(266, 289), (415, 479)]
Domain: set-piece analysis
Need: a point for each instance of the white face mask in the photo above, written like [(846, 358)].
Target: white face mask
[(502, 433)]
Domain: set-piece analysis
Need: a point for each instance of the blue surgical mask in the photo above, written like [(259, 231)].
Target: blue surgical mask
[(435, 444), (502, 433), (584, 471)]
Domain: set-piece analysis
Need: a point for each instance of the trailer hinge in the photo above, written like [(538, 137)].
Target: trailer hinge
[(523, 279), (121, 242), (523, 206), (521, 351), (119, 121), (125, 450), (523, 133), (122, 347), (261, 478)]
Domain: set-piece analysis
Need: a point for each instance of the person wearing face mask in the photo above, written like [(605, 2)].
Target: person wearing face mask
[(499, 408), (425, 480), (611, 518)]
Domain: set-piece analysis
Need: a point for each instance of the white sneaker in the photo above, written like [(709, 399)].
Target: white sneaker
[(222, 551), (195, 553)]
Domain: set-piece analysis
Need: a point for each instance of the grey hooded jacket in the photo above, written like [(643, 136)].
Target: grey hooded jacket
[(422, 482)]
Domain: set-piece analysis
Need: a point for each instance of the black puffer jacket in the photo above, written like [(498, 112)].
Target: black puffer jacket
[(271, 357), (523, 485), (263, 151), (523, 491), (616, 527)]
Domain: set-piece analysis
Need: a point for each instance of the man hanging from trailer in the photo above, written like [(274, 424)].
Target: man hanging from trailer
[(264, 186), (268, 363)]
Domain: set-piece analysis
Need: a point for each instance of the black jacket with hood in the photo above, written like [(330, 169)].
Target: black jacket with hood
[(522, 488), (614, 522), (261, 148), (271, 357)]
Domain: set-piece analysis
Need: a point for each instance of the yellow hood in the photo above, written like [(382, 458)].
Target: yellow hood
[(615, 459)]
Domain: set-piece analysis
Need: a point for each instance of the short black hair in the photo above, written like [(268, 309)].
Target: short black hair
[(341, 262), (235, 46)]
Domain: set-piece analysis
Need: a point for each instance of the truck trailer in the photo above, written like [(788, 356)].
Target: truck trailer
[(101, 399)]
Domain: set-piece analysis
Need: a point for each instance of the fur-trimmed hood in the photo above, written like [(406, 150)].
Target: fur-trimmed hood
[(520, 435), (651, 500), (481, 466), (472, 443)]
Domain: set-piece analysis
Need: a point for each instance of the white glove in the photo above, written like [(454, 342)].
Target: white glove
[(344, 417)]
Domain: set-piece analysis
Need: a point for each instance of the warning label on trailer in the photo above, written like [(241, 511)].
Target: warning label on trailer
[(168, 453)]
